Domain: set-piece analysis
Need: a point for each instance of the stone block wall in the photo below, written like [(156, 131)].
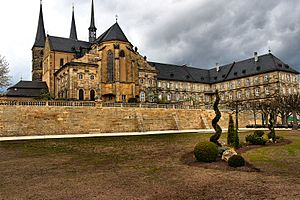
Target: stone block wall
[(47, 120)]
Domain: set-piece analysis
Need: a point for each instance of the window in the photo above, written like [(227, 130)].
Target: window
[(158, 84), (256, 80), (122, 54), (168, 85), (238, 83), (267, 92), (80, 76), (266, 78), (110, 66), (142, 96), (169, 97), (92, 77), (257, 92), (61, 62), (239, 94), (247, 82), (159, 96), (124, 98), (176, 85), (247, 93)]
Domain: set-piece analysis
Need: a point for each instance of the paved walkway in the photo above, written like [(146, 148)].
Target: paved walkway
[(94, 134)]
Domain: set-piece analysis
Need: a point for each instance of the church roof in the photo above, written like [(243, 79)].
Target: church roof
[(40, 33), (245, 68), (66, 44), (28, 89), (113, 33)]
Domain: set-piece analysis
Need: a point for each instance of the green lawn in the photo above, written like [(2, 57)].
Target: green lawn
[(141, 167)]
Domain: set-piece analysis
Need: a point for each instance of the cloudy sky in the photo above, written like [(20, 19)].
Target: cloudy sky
[(194, 32)]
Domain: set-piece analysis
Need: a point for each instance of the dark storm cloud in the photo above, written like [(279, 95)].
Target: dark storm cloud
[(201, 33)]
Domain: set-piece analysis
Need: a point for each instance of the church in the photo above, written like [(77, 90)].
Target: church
[(110, 68)]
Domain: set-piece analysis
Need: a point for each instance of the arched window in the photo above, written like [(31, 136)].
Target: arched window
[(92, 95), (122, 54), (110, 66), (81, 95)]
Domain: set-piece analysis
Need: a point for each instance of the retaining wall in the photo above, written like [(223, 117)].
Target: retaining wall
[(48, 120)]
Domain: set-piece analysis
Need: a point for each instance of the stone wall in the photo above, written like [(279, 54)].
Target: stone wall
[(48, 120)]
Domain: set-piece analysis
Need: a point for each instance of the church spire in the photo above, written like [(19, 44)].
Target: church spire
[(92, 28), (73, 33), (40, 34)]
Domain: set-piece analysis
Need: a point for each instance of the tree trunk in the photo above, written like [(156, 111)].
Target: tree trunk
[(254, 115), (295, 123)]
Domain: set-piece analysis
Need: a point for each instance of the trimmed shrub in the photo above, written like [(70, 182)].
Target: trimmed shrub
[(206, 152), (259, 133), (218, 130), (132, 100), (236, 161), (255, 140)]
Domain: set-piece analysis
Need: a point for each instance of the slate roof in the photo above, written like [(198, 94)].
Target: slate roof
[(40, 33), (67, 44), (180, 73), (28, 89), (245, 68), (113, 33)]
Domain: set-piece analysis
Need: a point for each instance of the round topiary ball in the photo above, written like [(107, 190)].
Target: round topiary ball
[(206, 152), (236, 161)]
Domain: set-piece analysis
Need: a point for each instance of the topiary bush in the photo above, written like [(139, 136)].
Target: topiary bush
[(218, 130), (255, 140), (259, 133), (236, 161), (206, 152)]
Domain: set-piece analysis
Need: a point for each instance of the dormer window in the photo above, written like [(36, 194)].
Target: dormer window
[(258, 68), (244, 71), (187, 77), (235, 73), (172, 75)]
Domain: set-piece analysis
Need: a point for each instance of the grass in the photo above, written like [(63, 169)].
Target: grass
[(139, 167), (278, 159)]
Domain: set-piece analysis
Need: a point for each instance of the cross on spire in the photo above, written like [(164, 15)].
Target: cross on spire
[(117, 17)]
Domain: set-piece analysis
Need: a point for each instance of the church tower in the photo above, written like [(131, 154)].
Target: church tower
[(38, 49), (92, 28), (73, 32)]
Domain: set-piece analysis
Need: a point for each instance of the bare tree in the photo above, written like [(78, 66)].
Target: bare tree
[(292, 106), (4, 77)]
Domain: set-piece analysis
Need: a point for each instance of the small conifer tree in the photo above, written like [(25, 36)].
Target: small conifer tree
[(230, 135)]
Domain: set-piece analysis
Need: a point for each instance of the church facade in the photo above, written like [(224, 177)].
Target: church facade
[(110, 68)]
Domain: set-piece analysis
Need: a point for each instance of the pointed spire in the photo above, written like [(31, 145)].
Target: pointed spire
[(73, 33), (40, 34), (92, 28)]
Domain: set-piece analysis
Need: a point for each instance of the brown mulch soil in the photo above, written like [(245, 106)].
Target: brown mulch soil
[(189, 159)]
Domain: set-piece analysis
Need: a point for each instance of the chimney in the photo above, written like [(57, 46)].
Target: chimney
[(255, 56), (217, 67)]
